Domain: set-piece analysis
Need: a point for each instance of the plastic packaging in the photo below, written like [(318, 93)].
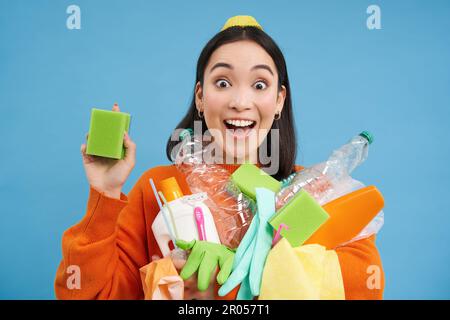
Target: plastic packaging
[(232, 210), (322, 180), (184, 219), (330, 180), (374, 226)]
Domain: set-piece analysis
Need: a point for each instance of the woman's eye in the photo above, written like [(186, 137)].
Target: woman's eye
[(260, 85), (222, 83)]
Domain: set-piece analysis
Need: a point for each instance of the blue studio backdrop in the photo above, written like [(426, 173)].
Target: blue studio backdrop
[(345, 78)]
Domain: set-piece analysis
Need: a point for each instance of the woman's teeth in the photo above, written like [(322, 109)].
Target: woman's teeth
[(239, 129), (240, 123)]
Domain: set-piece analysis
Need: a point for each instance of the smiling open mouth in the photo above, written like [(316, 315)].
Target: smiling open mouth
[(239, 129), (239, 124)]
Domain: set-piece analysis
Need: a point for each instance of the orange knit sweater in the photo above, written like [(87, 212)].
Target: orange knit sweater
[(114, 240)]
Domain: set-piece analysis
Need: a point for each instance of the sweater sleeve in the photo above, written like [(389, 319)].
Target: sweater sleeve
[(362, 270), (104, 250)]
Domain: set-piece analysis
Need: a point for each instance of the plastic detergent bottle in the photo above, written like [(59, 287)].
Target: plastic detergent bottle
[(183, 225), (321, 180), (231, 209), (170, 188)]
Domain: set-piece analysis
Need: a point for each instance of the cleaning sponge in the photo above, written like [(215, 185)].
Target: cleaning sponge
[(106, 132), (302, 215), (248, 177)]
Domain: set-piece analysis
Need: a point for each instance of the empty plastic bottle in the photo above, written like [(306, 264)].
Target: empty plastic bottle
[(232, 210), (321, 180)]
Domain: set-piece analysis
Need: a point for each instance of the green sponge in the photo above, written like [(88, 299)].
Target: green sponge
[(106, 132), (248, 177), (302, 215)]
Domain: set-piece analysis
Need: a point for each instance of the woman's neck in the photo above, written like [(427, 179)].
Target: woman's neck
[(252, 158)]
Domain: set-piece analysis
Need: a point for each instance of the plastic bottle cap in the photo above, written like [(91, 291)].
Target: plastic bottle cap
[(186, 132), (170, 188), (367, 135)]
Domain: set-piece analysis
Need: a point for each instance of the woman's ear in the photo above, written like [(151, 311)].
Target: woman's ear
[(280, 99), (199, 96)]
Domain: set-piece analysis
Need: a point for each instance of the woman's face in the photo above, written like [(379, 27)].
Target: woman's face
[(240, 98)]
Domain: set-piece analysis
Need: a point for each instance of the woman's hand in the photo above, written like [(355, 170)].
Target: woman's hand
[(191, 291), (109, 175)]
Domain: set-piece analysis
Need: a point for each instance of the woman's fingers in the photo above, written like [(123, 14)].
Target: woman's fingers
[(130, 149), (86, 158), (155, 257), (116, 107)]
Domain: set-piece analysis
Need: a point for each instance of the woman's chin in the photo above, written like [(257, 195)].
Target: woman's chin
[(237, 156)]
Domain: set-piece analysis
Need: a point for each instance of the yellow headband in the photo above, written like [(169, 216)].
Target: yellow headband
[(241, 21)]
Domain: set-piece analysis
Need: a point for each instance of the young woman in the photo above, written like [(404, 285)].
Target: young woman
[(241, 95)]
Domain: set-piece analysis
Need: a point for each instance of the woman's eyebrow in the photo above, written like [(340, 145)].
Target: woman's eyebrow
[(263, 66), (221, 64), (229, 66)]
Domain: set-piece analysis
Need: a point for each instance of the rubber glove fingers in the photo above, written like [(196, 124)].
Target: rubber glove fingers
[(245, 292), (266, 209), (246, 242), (225, 269), (226, 255), (185, 245), (232, 282), (192, 263), (205, 271), (239, 273)]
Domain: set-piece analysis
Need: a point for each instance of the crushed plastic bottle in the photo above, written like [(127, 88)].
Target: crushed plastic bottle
[(322, 180), (232, 210)]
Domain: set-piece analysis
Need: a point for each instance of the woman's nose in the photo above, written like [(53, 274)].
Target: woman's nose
[(240, 107), (241, 103)]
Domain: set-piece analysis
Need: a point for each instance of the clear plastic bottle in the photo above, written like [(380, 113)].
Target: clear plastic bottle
[(232, 210), (321, 180)]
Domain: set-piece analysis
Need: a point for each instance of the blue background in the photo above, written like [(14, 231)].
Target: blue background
[(344, 79)]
